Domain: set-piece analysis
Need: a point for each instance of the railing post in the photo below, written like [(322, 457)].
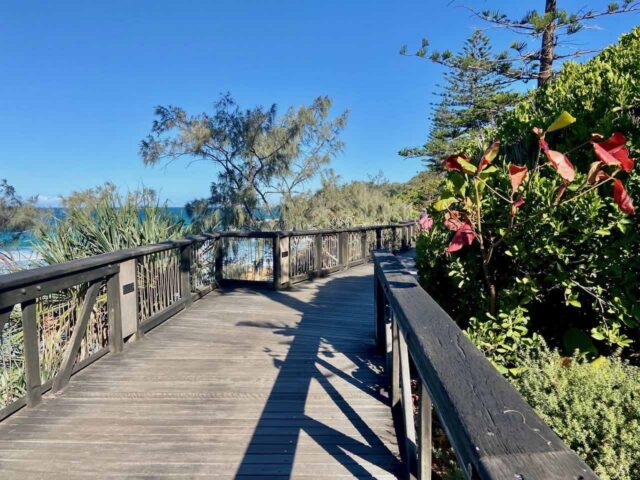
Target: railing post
[(185, 273), (343, 249), (318, 254), (31, 353), (285, 259), (394, 238), (424, 434), (378, 238), (219, 260), (277, 261), (379, 312), (116, 342), (128, 302), (363, 245), (405, 237)]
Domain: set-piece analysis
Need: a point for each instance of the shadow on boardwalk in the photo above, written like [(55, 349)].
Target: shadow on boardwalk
[(318, 337)]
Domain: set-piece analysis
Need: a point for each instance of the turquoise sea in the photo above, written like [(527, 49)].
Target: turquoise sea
[(24, 248)]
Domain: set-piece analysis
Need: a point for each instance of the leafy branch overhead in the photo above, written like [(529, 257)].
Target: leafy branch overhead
[(549, 29), (260, 157)]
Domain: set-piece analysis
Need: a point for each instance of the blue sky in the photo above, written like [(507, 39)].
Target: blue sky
[(79, 80)]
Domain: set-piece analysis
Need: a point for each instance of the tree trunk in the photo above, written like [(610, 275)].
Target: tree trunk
[(548, 45)]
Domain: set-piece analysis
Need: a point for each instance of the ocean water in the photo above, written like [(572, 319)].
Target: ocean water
[(23, 251)]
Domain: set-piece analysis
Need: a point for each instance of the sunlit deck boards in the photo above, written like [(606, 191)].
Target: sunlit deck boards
[(243, 384)]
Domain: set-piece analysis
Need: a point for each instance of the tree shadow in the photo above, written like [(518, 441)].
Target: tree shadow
[(322, 335)]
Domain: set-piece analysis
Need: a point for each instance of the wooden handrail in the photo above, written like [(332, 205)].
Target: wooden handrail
[(493, 431)]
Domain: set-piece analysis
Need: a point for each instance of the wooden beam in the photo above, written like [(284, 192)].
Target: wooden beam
[(425, 440), (407, 406), (31, 352), (493, 431), (73, 345), (116, 340)]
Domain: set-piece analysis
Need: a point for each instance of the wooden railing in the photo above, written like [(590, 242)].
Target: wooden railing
[(56, 320), (495, 434)]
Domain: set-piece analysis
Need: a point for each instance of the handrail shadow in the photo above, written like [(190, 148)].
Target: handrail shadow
[(304, 361)]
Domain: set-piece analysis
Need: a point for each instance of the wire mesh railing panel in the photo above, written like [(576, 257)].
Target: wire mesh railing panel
[(330, 251), (371, 241), (57, 315), (247, 259), (391, 239), (12, 376), (203, 259), (355, 246), (158, 282), (301, 255)]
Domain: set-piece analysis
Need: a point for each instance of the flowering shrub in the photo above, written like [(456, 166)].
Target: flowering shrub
[(538, 233)]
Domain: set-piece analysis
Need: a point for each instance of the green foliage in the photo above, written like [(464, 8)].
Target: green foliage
[(593, 406), (603, 94), (102, 220), (337, 205), (503, 339), (571, 258), (421, 190), (260, 157), (470, 100)]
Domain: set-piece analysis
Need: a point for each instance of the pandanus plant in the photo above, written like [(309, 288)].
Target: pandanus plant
[(465, 205)]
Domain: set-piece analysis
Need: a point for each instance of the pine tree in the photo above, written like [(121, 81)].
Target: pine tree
[(470, 100)]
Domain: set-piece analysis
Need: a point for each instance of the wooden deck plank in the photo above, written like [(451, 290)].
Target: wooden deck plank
[(243, 384)]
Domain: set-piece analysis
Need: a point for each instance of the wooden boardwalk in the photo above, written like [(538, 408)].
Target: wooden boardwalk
[(243, 384)]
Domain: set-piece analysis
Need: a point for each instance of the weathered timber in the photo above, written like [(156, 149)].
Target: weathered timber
[(494, 432)]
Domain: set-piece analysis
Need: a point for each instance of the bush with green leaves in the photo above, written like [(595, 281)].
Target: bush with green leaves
[(593, 406), (102, 220), (568, 254)]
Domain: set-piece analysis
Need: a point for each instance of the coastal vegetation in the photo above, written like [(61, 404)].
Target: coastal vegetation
[(532, 248)]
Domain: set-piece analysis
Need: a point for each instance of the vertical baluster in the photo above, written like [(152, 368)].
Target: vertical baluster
[(319, 253), (185, 273), (277, 262), (407, 404), (379, 313), (363, 245), (424, 434), (395, 364), (116, 344), (378, 238), (31, 352)]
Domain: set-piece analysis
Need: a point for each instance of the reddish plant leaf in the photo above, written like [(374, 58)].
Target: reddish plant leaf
[(517, 174), (451, 162), (596, 174), (489, 156), (464, 236), (425, 222), (559, 161), (622, 198), (452, 220), (614, 152), (516, 205), (560, 192)]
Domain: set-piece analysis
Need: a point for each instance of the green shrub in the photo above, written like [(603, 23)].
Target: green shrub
[(593, 406), (602, 93), (574, 266), (102, 220)]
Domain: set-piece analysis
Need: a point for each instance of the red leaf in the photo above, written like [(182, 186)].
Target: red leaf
[(560, 192), (596, 174), (515, 205), (425, 222), (451, 162), (463, 236), (452, 220), (622, 198), (559, 161), (614, 152), (489, 156), (517, 174)]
